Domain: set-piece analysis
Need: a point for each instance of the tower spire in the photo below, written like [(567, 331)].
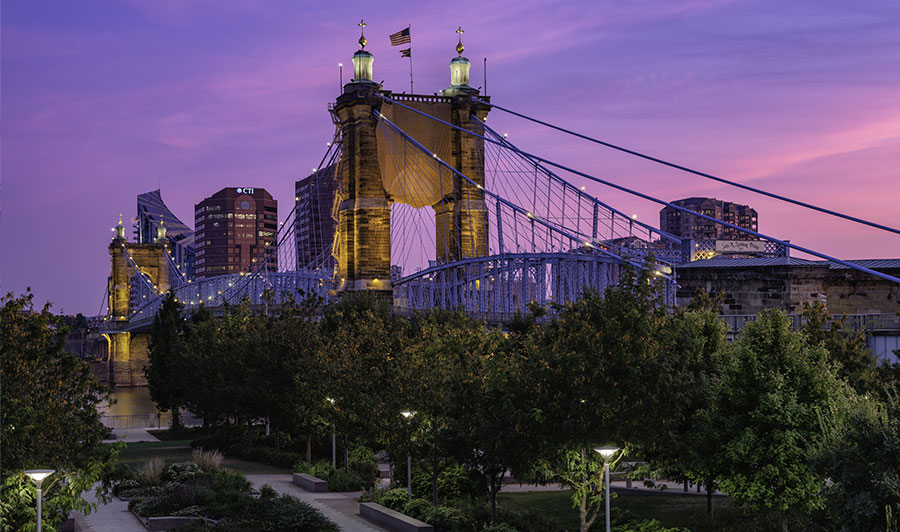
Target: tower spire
[(362, 59), (362, 34), (459, 45)]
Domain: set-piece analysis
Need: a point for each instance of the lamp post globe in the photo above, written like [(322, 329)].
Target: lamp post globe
[(37, 476), (606, 452)]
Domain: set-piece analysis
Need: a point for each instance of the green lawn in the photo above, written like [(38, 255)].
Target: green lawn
[(671, 510), (173, 451)]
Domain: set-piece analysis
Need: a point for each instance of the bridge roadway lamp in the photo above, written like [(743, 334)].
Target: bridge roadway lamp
[(408, 414), (38, 476), (606, 453)]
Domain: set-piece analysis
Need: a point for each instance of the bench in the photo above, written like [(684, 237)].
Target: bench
[(309, 482), (391, 519)]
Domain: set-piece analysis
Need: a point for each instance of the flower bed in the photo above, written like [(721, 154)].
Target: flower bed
[(216, 499)]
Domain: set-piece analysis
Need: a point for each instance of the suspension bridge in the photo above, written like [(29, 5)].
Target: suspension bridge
[(433, 208)]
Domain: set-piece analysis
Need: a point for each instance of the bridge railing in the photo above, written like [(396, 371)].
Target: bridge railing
[(149, 421), (854, 322)]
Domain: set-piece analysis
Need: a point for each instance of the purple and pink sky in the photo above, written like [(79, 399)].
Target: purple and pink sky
[(104, 100)]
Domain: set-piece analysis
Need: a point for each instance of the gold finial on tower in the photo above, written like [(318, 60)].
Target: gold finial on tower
[(459, 46), (362, 34)]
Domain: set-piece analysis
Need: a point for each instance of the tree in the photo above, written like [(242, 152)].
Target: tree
[(167, 376), (361, 358), (847, 348), (685, 375), (589, 374), (50, 411), (775, 394), (861, 456)]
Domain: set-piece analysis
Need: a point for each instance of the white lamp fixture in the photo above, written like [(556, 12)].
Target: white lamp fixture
[(606, 453), (38, 476), (408, 414)]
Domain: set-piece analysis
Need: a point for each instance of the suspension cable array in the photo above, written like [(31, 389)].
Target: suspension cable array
[(657, 200), (697, 172)]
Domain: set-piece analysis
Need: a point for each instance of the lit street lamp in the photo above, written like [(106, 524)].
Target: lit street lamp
[(607, 453), (333, 441), (38, 476), (408, 415)]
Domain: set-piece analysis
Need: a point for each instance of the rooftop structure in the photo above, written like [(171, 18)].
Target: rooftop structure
[(151, 211)]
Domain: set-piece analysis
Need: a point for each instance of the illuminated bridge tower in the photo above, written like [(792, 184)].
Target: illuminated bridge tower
[(364, 214), (461, 215), (370, 182), (129, 353)]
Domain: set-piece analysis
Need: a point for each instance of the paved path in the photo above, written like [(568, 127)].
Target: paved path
[(342, 508), (131, 436), (112, 517)]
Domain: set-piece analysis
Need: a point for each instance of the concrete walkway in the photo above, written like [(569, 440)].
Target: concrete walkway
[(342, 508), (112, 517)]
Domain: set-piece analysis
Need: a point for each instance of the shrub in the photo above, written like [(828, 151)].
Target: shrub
[(646, 525), (189, 511), (498, 527), (453, 483), (150, 474), (444, 518), (183, 472), (267, 492), (207, 460), (395, 499), (340, 481), (363, 462), (417, 508), (124, 485)]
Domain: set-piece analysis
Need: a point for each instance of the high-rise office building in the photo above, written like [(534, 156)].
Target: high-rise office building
[(693, 227), (314, 224), (151, 210), (233, 228)]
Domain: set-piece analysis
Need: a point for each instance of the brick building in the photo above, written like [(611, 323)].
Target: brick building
[(233, 228)]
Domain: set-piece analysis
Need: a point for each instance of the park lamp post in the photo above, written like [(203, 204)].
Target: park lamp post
[(606, 453), (38, 476), (333, 441), (408, 414)]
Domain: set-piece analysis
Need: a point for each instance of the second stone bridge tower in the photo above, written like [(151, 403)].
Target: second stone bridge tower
[(371, 180)]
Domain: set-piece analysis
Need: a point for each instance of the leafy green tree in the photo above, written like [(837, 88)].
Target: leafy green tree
[(775, 394), (685, 374), (449, 354), (167, 375), (861, 456), (361, 357), (846, 347), (588, 370), (51, 418)]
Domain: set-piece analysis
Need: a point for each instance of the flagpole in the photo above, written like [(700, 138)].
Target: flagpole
[(409, 27)]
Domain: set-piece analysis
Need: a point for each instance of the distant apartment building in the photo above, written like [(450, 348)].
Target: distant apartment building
[(693, 227), (314, 225), (233, 228), (151, 211)]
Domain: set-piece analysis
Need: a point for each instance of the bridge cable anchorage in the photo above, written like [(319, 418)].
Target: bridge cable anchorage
[(498, 198), (662, 202), (699, 173)]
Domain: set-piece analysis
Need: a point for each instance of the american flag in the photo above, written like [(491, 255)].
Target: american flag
[(401, 37)]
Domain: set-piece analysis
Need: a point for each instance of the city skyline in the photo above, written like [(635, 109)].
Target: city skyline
[(102, 105)]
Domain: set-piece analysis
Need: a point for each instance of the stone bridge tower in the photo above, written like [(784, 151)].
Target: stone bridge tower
[(364, 221), (129, 353)]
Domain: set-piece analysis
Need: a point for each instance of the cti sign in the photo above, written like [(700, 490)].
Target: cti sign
[(244, 190)]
